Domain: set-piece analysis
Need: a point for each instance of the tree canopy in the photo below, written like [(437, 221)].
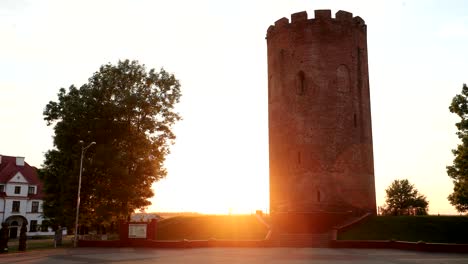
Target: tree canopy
[(459, 170), (404, 199), (129, 112)]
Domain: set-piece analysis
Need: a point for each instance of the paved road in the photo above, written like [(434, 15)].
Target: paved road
[(231, 255)]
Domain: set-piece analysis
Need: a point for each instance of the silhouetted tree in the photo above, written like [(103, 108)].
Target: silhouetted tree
[(129, 112), (4, 238), (403, 199), (459, 170)]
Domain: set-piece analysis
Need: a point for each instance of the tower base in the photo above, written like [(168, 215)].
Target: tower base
[(308, 222)]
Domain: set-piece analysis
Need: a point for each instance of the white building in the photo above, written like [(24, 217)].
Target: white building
[(21, 197)]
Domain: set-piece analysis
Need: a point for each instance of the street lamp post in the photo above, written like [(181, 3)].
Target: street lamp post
[(83, 150)]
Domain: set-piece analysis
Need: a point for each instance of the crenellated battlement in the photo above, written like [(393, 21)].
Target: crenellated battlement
[(319, 16)]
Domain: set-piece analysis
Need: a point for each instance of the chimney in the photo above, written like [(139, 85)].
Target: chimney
[(19, 161)]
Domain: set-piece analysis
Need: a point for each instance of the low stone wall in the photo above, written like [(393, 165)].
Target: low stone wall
[(390, 244), (376, 244), (173, 244), (333, 243)]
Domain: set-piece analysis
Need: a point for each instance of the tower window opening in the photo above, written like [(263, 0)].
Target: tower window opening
[(301, 83), (355, 120), (318, 196)]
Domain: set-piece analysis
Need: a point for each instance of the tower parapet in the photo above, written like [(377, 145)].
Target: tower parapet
[(341, 17)]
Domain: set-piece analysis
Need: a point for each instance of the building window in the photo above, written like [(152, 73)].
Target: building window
[(318, 196), (2, 188), (45, 226), (35, 207), (17, 189), (31, 190), (16, 207), (33, 227), (355, 120)]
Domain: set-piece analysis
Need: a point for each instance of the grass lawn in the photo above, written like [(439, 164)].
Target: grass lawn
[(435, 229), (43, 243), (239, 227)]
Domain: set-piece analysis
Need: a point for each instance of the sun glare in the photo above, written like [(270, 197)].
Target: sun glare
[(203, 182)]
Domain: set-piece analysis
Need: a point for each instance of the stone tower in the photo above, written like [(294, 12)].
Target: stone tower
[(320, 135)]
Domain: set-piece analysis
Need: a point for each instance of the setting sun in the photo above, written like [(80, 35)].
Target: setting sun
[(235, 182)]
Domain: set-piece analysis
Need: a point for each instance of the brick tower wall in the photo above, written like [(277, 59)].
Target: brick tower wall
[(320, 135)]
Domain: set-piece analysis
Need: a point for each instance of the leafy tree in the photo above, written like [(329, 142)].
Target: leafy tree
[(129, 112), (404, 199), (459, 170)]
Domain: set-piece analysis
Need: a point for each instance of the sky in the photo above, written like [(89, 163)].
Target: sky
[(418, 62)]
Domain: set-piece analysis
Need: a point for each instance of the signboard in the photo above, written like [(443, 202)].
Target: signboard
[(137, 231)]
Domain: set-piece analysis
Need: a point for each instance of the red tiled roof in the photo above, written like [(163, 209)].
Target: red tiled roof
[(8, 169)]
